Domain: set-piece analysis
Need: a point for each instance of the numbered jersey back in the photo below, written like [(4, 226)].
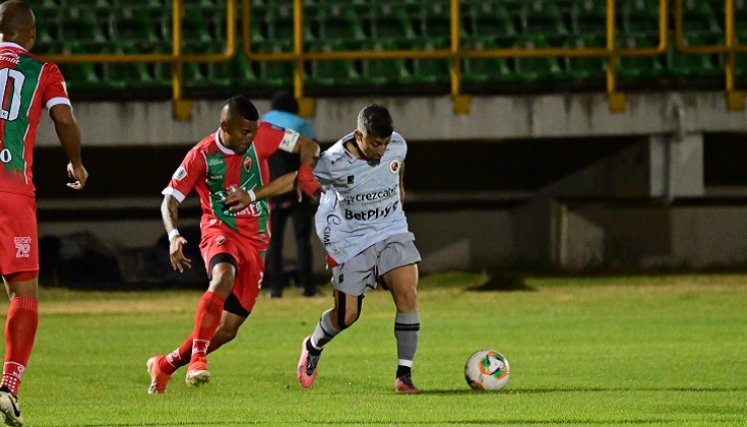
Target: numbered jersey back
[(27, 85)]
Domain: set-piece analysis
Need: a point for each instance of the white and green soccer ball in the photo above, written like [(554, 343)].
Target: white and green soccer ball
[(487, 370)]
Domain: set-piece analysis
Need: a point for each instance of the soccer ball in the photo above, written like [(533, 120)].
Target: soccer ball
[(487, 370)]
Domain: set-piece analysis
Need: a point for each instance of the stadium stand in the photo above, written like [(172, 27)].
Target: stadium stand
[(120, 26)]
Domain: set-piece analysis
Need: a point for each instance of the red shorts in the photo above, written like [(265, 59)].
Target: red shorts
[(217, 243), (19, 242)]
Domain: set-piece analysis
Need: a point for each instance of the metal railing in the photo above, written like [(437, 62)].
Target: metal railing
[(455, 53)]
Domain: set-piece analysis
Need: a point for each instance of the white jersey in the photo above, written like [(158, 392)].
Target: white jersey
[(361, 204)]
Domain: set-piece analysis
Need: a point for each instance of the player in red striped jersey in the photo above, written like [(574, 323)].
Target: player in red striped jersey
[(228, 169), (28, 84)]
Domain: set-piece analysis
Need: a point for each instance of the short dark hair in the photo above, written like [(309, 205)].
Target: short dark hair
[(284, 101), (375, 120), (244, 107)]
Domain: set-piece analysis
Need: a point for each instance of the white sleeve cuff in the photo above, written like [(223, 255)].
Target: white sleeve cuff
[(173, 192), (57, 101)]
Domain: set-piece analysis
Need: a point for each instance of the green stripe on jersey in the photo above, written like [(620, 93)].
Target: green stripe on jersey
[(250, 179), (17, 126), (216, 182)]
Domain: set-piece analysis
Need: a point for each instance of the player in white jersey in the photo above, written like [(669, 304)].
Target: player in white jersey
[(363, 228)]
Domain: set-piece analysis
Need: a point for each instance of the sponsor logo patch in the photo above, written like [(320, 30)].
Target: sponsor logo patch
[(23, 246), (394, 166), (180, 174)]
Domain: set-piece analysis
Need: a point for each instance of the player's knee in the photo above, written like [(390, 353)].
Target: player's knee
[(406, 299), (222, 278)]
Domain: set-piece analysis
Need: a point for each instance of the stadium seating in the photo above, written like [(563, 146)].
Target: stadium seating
[(585, 68), (486, 20), (383, 72), (391, 22), (639, 66), (145, 26), (485, 70), (331, 73), (536, 69)]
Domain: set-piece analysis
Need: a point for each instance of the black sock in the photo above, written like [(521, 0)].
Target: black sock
[(403, 370), (310, 348)]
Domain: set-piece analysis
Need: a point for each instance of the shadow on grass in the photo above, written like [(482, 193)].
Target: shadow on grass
[(504, 282)]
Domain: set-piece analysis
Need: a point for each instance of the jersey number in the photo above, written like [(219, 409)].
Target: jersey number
[(5, 156), (15, 101)]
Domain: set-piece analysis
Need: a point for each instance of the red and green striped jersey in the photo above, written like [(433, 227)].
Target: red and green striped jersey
[(211, 169), (28, 84)]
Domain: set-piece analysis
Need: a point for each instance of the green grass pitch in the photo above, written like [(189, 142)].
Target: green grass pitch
[(661, 350)]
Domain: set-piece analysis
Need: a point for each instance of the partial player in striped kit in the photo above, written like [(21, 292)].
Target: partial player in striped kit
[(228, 170), (364, 230), (28, 84)]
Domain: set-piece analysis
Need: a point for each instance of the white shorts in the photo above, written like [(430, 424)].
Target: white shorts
[(360, 273)]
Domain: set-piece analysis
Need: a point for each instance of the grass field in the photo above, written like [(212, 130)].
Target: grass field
[(663, 350)]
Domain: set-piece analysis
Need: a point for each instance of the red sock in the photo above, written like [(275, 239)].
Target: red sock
[(20, 331), (207, 320), (177, 358)]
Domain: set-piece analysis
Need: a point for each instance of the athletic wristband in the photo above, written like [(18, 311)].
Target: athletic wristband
[(173, 233), (252, 196)]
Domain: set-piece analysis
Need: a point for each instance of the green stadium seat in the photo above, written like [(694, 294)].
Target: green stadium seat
[(639, 16), (391, 21), (132, 76), (139, 26), (635, 67), (429, 71), (383, 72), (237, 73), (491, 20), (536, 69), (197, 25), (540, 17), (277, 74), (699, 16), (589, 17), (47, 27), (435, 20), (336, 22), (331, 73), (485, 70), (586, 68), (740, 60), (688, 65), (81, 77), (81, 25), (279, 20)]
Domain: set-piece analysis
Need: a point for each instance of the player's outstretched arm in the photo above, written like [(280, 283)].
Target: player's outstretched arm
[(309, 150), (176, 242), (239, 199), (68, 133)]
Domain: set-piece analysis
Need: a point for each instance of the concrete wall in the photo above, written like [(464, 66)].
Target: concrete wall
[(429, 118), (620, 211)]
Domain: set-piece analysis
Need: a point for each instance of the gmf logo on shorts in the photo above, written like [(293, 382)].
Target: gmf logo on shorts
[(23, 246), (220, 240)]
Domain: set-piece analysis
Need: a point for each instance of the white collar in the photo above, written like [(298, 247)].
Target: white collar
[(11, 44), (220, 145)]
